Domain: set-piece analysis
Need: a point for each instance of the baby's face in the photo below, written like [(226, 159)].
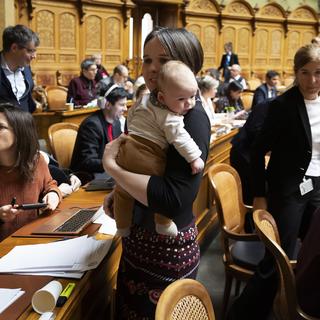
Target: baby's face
[(180, 98)]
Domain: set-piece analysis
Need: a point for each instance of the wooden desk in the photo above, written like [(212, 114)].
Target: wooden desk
[(45, 119), (94, 292)]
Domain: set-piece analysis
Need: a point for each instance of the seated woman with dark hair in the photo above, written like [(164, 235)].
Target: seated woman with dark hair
[(231, 99), (82, 90), (24, 174)]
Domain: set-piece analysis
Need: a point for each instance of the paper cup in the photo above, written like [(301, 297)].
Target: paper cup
[(45, 299), (69, 106)]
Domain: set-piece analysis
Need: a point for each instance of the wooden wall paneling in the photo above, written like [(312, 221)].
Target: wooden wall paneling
[(58, 29), (302, 27), (201, 19), (237, 27), (207, 32), (268, 40), (268, 48)]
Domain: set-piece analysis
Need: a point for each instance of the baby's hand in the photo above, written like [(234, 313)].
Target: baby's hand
[(197, 165)]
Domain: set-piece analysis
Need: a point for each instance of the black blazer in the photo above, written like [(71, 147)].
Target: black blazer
[(6, 94), (91, 140), (224, 65), (287, 134), (261, 94)]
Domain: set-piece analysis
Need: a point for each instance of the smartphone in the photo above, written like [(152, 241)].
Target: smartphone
[(32, 206)]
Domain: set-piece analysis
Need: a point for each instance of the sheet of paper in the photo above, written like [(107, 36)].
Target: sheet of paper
[(59, 256), (108, 225), (8, 296)]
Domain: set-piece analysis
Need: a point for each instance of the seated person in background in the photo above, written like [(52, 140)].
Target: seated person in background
[(232, 98), (235, 72), (241, 147), (66, 180), (215, 74), (154, 124), (96, 131), (141, 91), (268, 89), (128, 86), (208, 88), (119, 77), (24, 174), (101, 71), (82, 89)]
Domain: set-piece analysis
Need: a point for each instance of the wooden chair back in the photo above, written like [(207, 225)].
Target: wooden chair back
[(228, 195), (254, 83), (247, 98), (268, 232), (62, 137), (231, 211), (185, 299), (56, 97)]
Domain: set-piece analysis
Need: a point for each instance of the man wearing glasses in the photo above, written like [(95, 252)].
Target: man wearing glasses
[(19, 49)]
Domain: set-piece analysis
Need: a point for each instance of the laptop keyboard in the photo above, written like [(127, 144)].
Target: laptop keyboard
[(77, 221)]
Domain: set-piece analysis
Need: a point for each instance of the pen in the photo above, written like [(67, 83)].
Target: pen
[(65, 294)]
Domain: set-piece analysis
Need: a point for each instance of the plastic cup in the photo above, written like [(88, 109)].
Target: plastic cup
[(45, 299)]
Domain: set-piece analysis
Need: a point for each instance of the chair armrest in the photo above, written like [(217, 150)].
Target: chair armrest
[(241, 236)]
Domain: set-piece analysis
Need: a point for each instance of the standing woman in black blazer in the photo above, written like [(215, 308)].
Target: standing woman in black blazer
[(227, 60), (292, 180)]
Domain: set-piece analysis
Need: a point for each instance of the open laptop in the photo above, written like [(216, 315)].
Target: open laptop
[(68, 222), (100, 183)]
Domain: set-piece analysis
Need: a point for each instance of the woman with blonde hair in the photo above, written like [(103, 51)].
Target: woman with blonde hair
[(208, 87), (291, 183)]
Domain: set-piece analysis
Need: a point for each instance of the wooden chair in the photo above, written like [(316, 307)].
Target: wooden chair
[(56, 97), (288, 81), (185, 299), (62, 137), (247, 98), (242, 251), (254, 83), (268, 232)]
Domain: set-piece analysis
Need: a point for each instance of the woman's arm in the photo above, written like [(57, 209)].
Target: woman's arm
[(135, 184)]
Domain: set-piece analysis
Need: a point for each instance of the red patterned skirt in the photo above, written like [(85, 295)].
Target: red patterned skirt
[(149, 263)]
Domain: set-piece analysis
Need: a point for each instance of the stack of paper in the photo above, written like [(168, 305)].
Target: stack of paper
[(8, 296), (68, 258)]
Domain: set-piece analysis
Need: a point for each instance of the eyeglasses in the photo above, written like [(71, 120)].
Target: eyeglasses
[(28, 49)]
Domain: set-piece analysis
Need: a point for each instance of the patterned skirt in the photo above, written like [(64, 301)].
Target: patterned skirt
[(149, 263)]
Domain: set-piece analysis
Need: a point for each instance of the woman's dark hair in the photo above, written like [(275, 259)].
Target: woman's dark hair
[(181, 45), (233, 86), (26, 139), (87, 63)]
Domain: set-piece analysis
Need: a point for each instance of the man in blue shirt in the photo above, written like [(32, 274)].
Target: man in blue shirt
[(19, 49)]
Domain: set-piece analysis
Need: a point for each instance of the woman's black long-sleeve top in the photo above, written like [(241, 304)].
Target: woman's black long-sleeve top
[(173, 194)]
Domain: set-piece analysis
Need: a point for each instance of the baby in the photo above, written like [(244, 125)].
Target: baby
[(154, 123)]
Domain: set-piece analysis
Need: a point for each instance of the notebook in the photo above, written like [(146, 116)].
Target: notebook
[(68, 222)]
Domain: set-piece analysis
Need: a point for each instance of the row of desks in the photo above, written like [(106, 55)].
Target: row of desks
[(93, 294)]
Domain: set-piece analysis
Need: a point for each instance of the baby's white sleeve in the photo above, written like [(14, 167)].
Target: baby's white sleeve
[(177, 135)]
